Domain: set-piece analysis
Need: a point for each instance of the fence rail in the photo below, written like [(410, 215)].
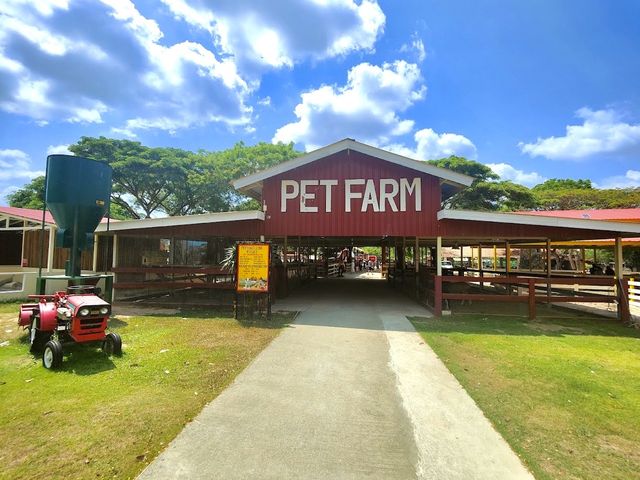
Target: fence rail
[(634, 291), (532, 284)]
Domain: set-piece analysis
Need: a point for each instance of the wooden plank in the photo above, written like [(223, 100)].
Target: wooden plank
[(524, 280), (569, 298), (171, 285), (485, 298)]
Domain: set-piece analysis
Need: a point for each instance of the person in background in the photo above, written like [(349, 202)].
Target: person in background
[(342, 259)]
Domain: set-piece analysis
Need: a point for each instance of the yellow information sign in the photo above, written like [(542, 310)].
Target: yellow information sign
[(253, 267)]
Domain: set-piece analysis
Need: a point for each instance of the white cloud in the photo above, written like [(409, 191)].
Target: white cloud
[(59, 149), (16, 164), (279, 34), (508, 172), (265, 102), (98, 62), (602, 132), (432, 146), (631, 179), (5, 192), (366, 108), (416, 46)]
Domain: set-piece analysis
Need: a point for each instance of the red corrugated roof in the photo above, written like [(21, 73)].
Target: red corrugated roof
[(617, 214), (32, 214)]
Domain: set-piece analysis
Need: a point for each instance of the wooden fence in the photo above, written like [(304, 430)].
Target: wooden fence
[(538, 290)]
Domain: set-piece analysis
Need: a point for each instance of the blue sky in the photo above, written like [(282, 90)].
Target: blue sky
[(535, 89)]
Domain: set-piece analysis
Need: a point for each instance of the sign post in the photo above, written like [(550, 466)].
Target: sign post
[(253, 267)]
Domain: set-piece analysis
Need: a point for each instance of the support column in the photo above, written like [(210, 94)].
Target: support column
[(507, 255), (114, 260), (95, 253), (437, 304), (51, 249), (480, 264), (622, 293), (495, 257), (439, 256), (548, 246), (24, 234), (507, 265), (416, 261), (618, 258), (286, 266)]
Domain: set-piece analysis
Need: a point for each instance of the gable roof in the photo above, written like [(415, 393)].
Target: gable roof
[(30, 214), (252, 184), (34, 215)]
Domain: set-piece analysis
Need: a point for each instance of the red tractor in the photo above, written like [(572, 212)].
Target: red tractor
[(78, 315)]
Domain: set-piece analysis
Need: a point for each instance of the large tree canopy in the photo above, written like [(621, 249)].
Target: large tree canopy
[(486, 192)]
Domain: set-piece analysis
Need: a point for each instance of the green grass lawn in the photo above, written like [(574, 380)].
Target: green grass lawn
[(101, 417), (564, 390)]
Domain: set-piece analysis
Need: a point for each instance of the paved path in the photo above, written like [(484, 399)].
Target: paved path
[(349, 391)]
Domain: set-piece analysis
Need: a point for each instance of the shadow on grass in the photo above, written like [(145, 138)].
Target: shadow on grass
[(115, 322), (552, 324), (79, 359), (86, 360), (206, 313)]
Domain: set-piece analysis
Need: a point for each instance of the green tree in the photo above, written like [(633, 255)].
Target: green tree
[(468, 167), (584, 198), (563, 184), (29, 196), (145, 180), (486, 192)]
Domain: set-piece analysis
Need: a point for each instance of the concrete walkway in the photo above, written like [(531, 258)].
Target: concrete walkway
[(348, 391)]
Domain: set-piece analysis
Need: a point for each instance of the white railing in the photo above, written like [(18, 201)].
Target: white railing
[(634, 291)]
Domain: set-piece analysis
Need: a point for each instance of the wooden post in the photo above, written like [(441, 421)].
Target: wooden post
[(416, 262), (437, 304), (286, 267), (24, 234), (52, 247), (548, 245), (622, 287), (532, 299), (495, 257), (480, 265), (439, 256), (315, 263), (114, 260), (507, 266), (618, 258), (94, 264)]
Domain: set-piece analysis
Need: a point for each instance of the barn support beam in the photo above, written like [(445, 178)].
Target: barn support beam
[(548, 269), (51, 248), (622, 286), (94, 263), (437, 303)]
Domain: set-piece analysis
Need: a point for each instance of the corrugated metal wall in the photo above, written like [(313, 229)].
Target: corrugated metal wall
[(350, 165)]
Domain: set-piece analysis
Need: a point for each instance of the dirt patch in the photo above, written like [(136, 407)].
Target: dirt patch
[(619, 446), (553, 328)]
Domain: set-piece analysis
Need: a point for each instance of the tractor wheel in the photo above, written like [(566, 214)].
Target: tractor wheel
[(52, 354), (112, 344), (37, 338)]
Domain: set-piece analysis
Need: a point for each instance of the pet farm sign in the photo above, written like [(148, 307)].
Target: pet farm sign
[(349, 195)]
